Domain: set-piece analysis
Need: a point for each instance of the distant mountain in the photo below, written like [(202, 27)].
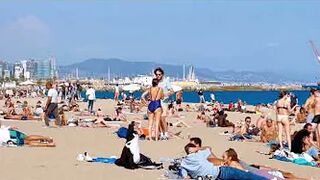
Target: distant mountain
[(98, 68)]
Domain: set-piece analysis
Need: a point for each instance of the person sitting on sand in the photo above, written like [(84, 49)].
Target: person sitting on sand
[(301, 116), (309, 127), (10, 107), (203, 117), (26, 111), (222, 120), (188, 108), (38, 110), (302, 142), (119, 115), (73, 106), (268, 131), (261, 121), (25, 114), (230, 158), (179, 99), (19, 138), (100, 119), (245, 131), (196, 164), (134, 105)]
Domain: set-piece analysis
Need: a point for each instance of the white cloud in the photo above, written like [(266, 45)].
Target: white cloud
[(24, 37), (30, 24)]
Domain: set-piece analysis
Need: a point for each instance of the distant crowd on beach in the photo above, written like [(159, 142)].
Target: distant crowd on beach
[(61, 103)]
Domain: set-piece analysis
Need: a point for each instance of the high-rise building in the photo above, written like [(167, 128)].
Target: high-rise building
[(54, 72), (29, 68), (1, 69), (17, 70), (6, 73), (44, 70)]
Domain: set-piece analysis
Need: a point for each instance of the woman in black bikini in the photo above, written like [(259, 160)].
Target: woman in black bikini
[(283, 110)]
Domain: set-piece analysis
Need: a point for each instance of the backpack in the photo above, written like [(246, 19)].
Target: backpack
[(122, 132)]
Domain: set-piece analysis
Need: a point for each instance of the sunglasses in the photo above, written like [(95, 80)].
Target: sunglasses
[(158, 74)]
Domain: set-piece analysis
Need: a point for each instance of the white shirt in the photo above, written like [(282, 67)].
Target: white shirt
[(165, 85), (53, 93), (212, 96), (117, 89), (91, 93)]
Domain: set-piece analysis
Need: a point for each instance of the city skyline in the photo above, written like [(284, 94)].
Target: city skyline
[(243, 35)]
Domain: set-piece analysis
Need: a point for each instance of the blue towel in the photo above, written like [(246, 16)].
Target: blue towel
[(104, 160)]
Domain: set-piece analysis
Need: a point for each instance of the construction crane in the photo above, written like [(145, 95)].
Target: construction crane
[(315, 50)]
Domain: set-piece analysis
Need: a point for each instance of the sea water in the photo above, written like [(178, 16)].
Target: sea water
[(250, 97)]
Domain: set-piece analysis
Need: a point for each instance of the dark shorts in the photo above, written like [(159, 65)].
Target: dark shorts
[(178, 101), (51, 108), (316, 119)]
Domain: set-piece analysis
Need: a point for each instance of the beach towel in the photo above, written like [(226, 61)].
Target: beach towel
[(238, 137), (18, 137), (300, 159), (104, 160)]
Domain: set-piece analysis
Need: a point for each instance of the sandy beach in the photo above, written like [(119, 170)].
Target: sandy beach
[(29, 163)]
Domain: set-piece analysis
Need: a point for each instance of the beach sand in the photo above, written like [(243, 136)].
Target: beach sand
[(29, 163)]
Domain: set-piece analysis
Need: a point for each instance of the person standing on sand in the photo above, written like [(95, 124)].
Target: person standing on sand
[(316, 118), (91, 94), (283, 110), (52, 104), (309, 105), (213, 98), (116, 93), (154, 107), (165, 85), (201, 96)]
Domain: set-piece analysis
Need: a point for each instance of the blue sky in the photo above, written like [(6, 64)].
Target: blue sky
[(221, 35)]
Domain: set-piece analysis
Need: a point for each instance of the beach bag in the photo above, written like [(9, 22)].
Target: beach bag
[(122, 132)]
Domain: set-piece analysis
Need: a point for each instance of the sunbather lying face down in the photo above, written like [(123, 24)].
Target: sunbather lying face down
[(20, 138)]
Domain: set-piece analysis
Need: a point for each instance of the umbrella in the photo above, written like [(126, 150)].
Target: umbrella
[(26, 83), (176, 88), (131, 87)]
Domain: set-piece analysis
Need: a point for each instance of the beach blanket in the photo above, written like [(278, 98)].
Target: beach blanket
[(300, 159), (238, 137), (15, 118), (105, 160)]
